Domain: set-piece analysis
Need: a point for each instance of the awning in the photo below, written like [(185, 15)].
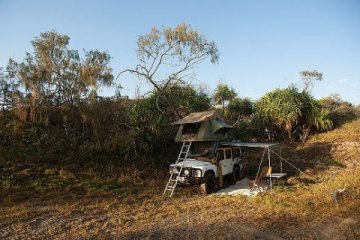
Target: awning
[(217, 124), (249, 144)]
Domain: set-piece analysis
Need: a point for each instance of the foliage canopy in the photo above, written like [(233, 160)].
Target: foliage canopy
[(168, 57)]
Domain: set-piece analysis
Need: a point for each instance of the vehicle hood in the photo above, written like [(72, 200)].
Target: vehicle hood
[(192, 163)]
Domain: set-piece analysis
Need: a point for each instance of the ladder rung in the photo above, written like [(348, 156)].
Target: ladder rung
[(172, 183)]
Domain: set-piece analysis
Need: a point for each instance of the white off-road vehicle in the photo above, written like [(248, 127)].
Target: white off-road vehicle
[(209, 166)]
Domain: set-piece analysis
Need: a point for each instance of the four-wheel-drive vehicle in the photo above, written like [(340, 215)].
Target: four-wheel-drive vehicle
[(211, 167)]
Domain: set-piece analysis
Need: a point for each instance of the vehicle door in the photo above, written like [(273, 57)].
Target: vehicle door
[(237, 156), (227, 164)]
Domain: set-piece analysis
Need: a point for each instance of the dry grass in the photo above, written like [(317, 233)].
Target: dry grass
[(129, 204)]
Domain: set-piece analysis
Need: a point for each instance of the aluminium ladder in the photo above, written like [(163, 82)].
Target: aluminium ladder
[(174, 177)]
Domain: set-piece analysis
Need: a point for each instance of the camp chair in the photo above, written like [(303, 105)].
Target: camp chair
[(257, 183)]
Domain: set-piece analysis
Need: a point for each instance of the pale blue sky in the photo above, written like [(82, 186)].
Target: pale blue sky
[(263, 44)]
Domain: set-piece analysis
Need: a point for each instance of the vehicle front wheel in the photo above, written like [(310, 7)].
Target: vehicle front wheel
[(210, 183)]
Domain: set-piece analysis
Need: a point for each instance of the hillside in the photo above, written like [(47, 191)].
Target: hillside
[(130, 206)]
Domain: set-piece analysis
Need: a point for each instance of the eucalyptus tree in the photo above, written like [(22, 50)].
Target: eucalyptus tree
[(10, 94), (169, 56), (308, 78), (54, 74), (4, 91)]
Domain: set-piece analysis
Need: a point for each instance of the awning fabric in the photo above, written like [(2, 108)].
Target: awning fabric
[(250, 144)]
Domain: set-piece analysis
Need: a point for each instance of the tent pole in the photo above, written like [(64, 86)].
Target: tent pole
[(262, 158), (269, 166), (288, 162), (281, 162)]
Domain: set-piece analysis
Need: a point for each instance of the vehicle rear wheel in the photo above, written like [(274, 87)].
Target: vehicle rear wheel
[(210, 183)]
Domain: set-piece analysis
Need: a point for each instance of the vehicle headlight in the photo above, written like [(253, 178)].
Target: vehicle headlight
[(197, 173), (186, 172)]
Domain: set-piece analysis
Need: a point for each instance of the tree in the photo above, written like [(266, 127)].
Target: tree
[(238, 108), (340, 111), (152, 127), (292, 110), (223, 95), (312, 115), (167, 56), (9, 89), (280, 107), (309, 77), (4, 91), (184, 97), (57, 75)]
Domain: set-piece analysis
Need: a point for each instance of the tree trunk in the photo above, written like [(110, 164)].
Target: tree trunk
[(288, 129), (306, 130)]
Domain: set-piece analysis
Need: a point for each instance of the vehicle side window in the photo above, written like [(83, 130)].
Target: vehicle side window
[(228, 153), (236, 152)]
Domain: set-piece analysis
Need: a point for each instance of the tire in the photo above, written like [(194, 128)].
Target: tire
[(210, 183), (235, 175)]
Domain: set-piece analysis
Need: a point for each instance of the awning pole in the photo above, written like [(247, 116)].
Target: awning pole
[(288, 162), (281, 162), (269, 165), (262, 158)]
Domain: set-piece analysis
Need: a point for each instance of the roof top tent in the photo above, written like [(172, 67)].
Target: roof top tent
[(202, 126)]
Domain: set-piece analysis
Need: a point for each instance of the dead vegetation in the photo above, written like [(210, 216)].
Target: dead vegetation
[(61, 202)]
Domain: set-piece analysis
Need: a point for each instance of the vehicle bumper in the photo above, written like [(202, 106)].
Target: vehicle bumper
[(190, 180)]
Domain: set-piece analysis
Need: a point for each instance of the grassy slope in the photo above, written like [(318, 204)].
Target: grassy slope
[(128, 206)]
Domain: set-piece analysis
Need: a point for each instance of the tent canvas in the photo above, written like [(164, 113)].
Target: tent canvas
[(201, 126)]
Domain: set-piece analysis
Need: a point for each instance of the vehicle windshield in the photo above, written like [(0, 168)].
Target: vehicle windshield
[(202, 150)]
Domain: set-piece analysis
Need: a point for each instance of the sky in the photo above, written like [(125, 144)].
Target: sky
[(263, 45)]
